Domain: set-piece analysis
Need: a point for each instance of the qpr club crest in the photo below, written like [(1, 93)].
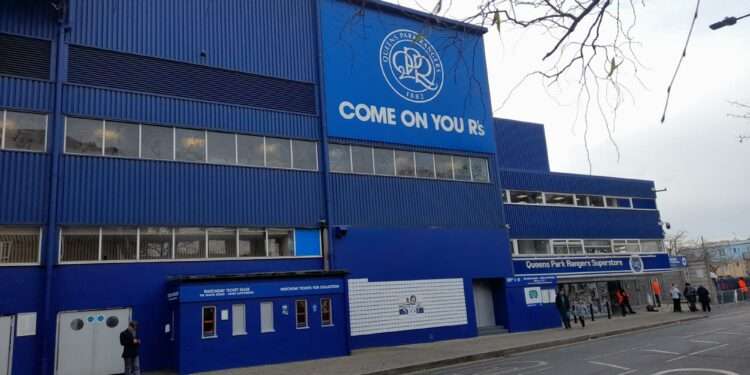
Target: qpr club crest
[(411, 66), (636, 264)]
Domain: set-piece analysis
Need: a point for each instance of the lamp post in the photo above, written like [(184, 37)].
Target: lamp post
[(727, 21)]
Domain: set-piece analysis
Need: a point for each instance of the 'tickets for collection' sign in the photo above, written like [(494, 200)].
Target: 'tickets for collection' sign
[(391, 78)]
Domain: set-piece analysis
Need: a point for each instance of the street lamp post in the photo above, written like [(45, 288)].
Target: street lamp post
[(727, 21)]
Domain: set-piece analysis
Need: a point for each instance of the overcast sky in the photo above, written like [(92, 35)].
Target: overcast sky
[(695, 154)]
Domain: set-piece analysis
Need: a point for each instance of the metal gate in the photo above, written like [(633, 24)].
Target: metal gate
[(6, 344), (88, 342)]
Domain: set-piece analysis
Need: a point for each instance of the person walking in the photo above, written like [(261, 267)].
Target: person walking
[(691, 296), (742, 286), (626, 300), (130, 345), (676, 298), (563, 307), (704, 298), (656, 289), (580, 310), (620, 299)]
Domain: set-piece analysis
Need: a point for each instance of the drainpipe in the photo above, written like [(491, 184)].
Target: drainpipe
[(51, 248)]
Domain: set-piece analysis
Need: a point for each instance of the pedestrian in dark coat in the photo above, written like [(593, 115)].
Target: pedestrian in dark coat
[(626, 301), (130, 345), (563, 307), (691, 296), (704, 297)]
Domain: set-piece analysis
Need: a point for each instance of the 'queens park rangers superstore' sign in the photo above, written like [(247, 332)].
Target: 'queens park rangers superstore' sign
[(581, 265), (394, 79)]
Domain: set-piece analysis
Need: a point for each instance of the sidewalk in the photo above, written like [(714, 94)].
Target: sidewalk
[(409, 358)]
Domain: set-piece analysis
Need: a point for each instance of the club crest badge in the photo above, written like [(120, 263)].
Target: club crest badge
[(411, 66), (636, 264)]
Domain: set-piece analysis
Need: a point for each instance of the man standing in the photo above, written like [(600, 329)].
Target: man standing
[(626, 300), (130, 344), (704, 298), (563, 307), (656, 289), (676, 298), (691, 297)]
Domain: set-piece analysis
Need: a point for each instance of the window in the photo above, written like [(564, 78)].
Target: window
[(221, 148), (553, 198), (305, 155), (238, 320), (300, 312), (479, 170), (190, 145), (251, 150), (626, 246), (362, 161), (266, 317), (597, 246), (596, 201), (533, 197), (425, 164), (567, 246), (405, 164), (222, 242), (326, 313), (83, 136), (624, 202), (652, 246), (278, 153), (189, 243), (209, 322), (157, 142), (280, 242), (156, 243), (612, 202), (121, 139), (19, 245), (385, 164), (119, 243), (582, 200), (532, 247), (24, 131), (80, 245), (461, 168), (444, 167), (252, 243), (339, 158)]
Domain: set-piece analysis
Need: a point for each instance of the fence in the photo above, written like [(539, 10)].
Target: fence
[(731, 296)]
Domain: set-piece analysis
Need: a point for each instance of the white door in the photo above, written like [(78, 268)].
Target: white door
[(6, 344), (484, 304), (88, 342)]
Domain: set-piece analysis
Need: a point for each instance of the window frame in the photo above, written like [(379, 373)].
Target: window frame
[(40, 238), (517, 251), (330, 312), (3, 133), (297, 314), (203, 322)]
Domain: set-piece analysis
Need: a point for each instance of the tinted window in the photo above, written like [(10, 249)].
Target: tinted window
[(222, 243), (444, 166), (190, 145), (221, 148), (384, 162), (157, 142), (189, 243), (156, 243), (80, 245), (339, 158), (552, 198), (83, 136), (252, 243), (461, 168), (425, 165), (278, 153), (121, 139), (25, 131), (362, 160), (119, 243), (479, 170), (405, 163), (280, 243), (251, 150), (305, 155)]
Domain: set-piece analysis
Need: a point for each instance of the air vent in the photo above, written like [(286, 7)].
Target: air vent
[(24, 57)]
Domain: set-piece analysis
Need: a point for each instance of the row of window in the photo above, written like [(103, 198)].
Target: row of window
[(390, 162), (564, 199), (20, 131), (239, 320), (20, 245), (161, 243), (127, 140), (576, 246)]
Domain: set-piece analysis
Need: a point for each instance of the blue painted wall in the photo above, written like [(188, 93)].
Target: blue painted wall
[(521, 145), (22, 291)]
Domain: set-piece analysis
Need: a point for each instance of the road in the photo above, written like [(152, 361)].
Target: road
[(718, 345)]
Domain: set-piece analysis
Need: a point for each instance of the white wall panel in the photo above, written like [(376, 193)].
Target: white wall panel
[(392, 306)]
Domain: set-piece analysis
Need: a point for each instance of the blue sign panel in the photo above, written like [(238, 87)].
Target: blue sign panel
[(255, 289), (678, 261), (394, 79), (577, 266), (531, 281)]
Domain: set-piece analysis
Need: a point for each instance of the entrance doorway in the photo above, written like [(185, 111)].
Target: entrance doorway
[(6, 344), (484, 304), (88, 342)]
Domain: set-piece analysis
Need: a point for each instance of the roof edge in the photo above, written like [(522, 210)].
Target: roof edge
[(424, 16)]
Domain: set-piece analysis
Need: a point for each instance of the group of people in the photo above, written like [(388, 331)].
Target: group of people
[(692, 295), (575, 311)]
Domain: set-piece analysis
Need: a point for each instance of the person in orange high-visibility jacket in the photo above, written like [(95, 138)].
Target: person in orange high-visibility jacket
[(742, 285), (656, 289)]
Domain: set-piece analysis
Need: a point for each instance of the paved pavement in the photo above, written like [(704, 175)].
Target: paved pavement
[(403, 359), (717, 345)]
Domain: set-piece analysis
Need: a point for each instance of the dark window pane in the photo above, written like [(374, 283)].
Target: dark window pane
[(222, 243), (221, 148), (520, 196), (119, 243), (121, 139), (83, 136), (425, 165), (209, 322), (326, 315), (25, 131), (338, 155), (533, 247), (552, 198), (251, 150), (80, 245), (444, 167), (405, 163), (157, 142), (479, 170), (301, 313), (385, 163), (278, 153), (190, 243), (461, 168), (362, 160), (191, 145), (596, 201), (252, 243), (305, 155), (156, 243)]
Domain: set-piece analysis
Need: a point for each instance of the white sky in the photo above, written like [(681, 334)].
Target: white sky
[(695, 154)]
